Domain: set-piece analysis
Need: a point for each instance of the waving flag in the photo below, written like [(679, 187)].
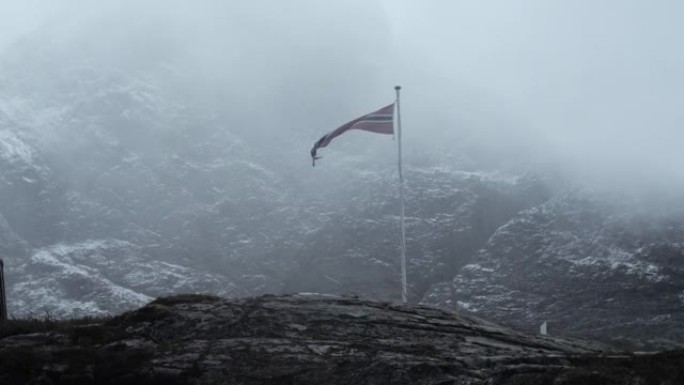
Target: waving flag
[(379, 122)]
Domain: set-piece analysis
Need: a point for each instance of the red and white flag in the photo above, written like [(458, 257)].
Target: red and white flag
[(380, 122)]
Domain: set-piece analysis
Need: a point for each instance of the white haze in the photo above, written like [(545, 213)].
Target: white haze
[(592, 89)]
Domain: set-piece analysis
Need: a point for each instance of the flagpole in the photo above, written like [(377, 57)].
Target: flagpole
[(401, 197), (3, 298)]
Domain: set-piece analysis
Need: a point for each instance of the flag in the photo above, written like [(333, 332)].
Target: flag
[(379, 121)]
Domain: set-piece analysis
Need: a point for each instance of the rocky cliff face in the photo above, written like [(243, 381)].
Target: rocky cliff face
[(587, 266), (310, 340)]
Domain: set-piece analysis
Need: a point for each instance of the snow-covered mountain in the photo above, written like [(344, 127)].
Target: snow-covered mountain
[(588, 264), (124, 160), (119, 182), (119, 158), (100, 277)]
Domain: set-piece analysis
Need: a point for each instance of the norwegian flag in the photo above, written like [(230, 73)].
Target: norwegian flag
[(379, 122)]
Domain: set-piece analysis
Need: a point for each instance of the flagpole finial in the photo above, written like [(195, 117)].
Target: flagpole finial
[(397, 87)]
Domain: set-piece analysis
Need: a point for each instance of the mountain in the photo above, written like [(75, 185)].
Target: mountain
[(587, 264), (122, 160), (125, 177), (100, 277), (308, 339)]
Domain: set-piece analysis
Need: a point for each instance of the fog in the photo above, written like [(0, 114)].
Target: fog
[(598, 84), (590, 90)]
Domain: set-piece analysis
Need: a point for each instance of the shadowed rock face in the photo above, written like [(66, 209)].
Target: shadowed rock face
[(311, 339)]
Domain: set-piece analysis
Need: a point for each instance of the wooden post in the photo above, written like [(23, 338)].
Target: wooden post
[(3, 298)]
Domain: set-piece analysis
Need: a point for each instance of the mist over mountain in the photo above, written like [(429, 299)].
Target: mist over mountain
[(161, 147)]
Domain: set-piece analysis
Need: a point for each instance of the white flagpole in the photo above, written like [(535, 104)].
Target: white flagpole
[(401, 197)]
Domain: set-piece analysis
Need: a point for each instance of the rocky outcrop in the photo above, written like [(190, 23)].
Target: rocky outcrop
[(309, 339)]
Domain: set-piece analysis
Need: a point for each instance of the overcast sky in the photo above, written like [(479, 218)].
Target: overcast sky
[(601, 83)]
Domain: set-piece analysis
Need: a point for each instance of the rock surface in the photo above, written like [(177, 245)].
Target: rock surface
[(311, 339)]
